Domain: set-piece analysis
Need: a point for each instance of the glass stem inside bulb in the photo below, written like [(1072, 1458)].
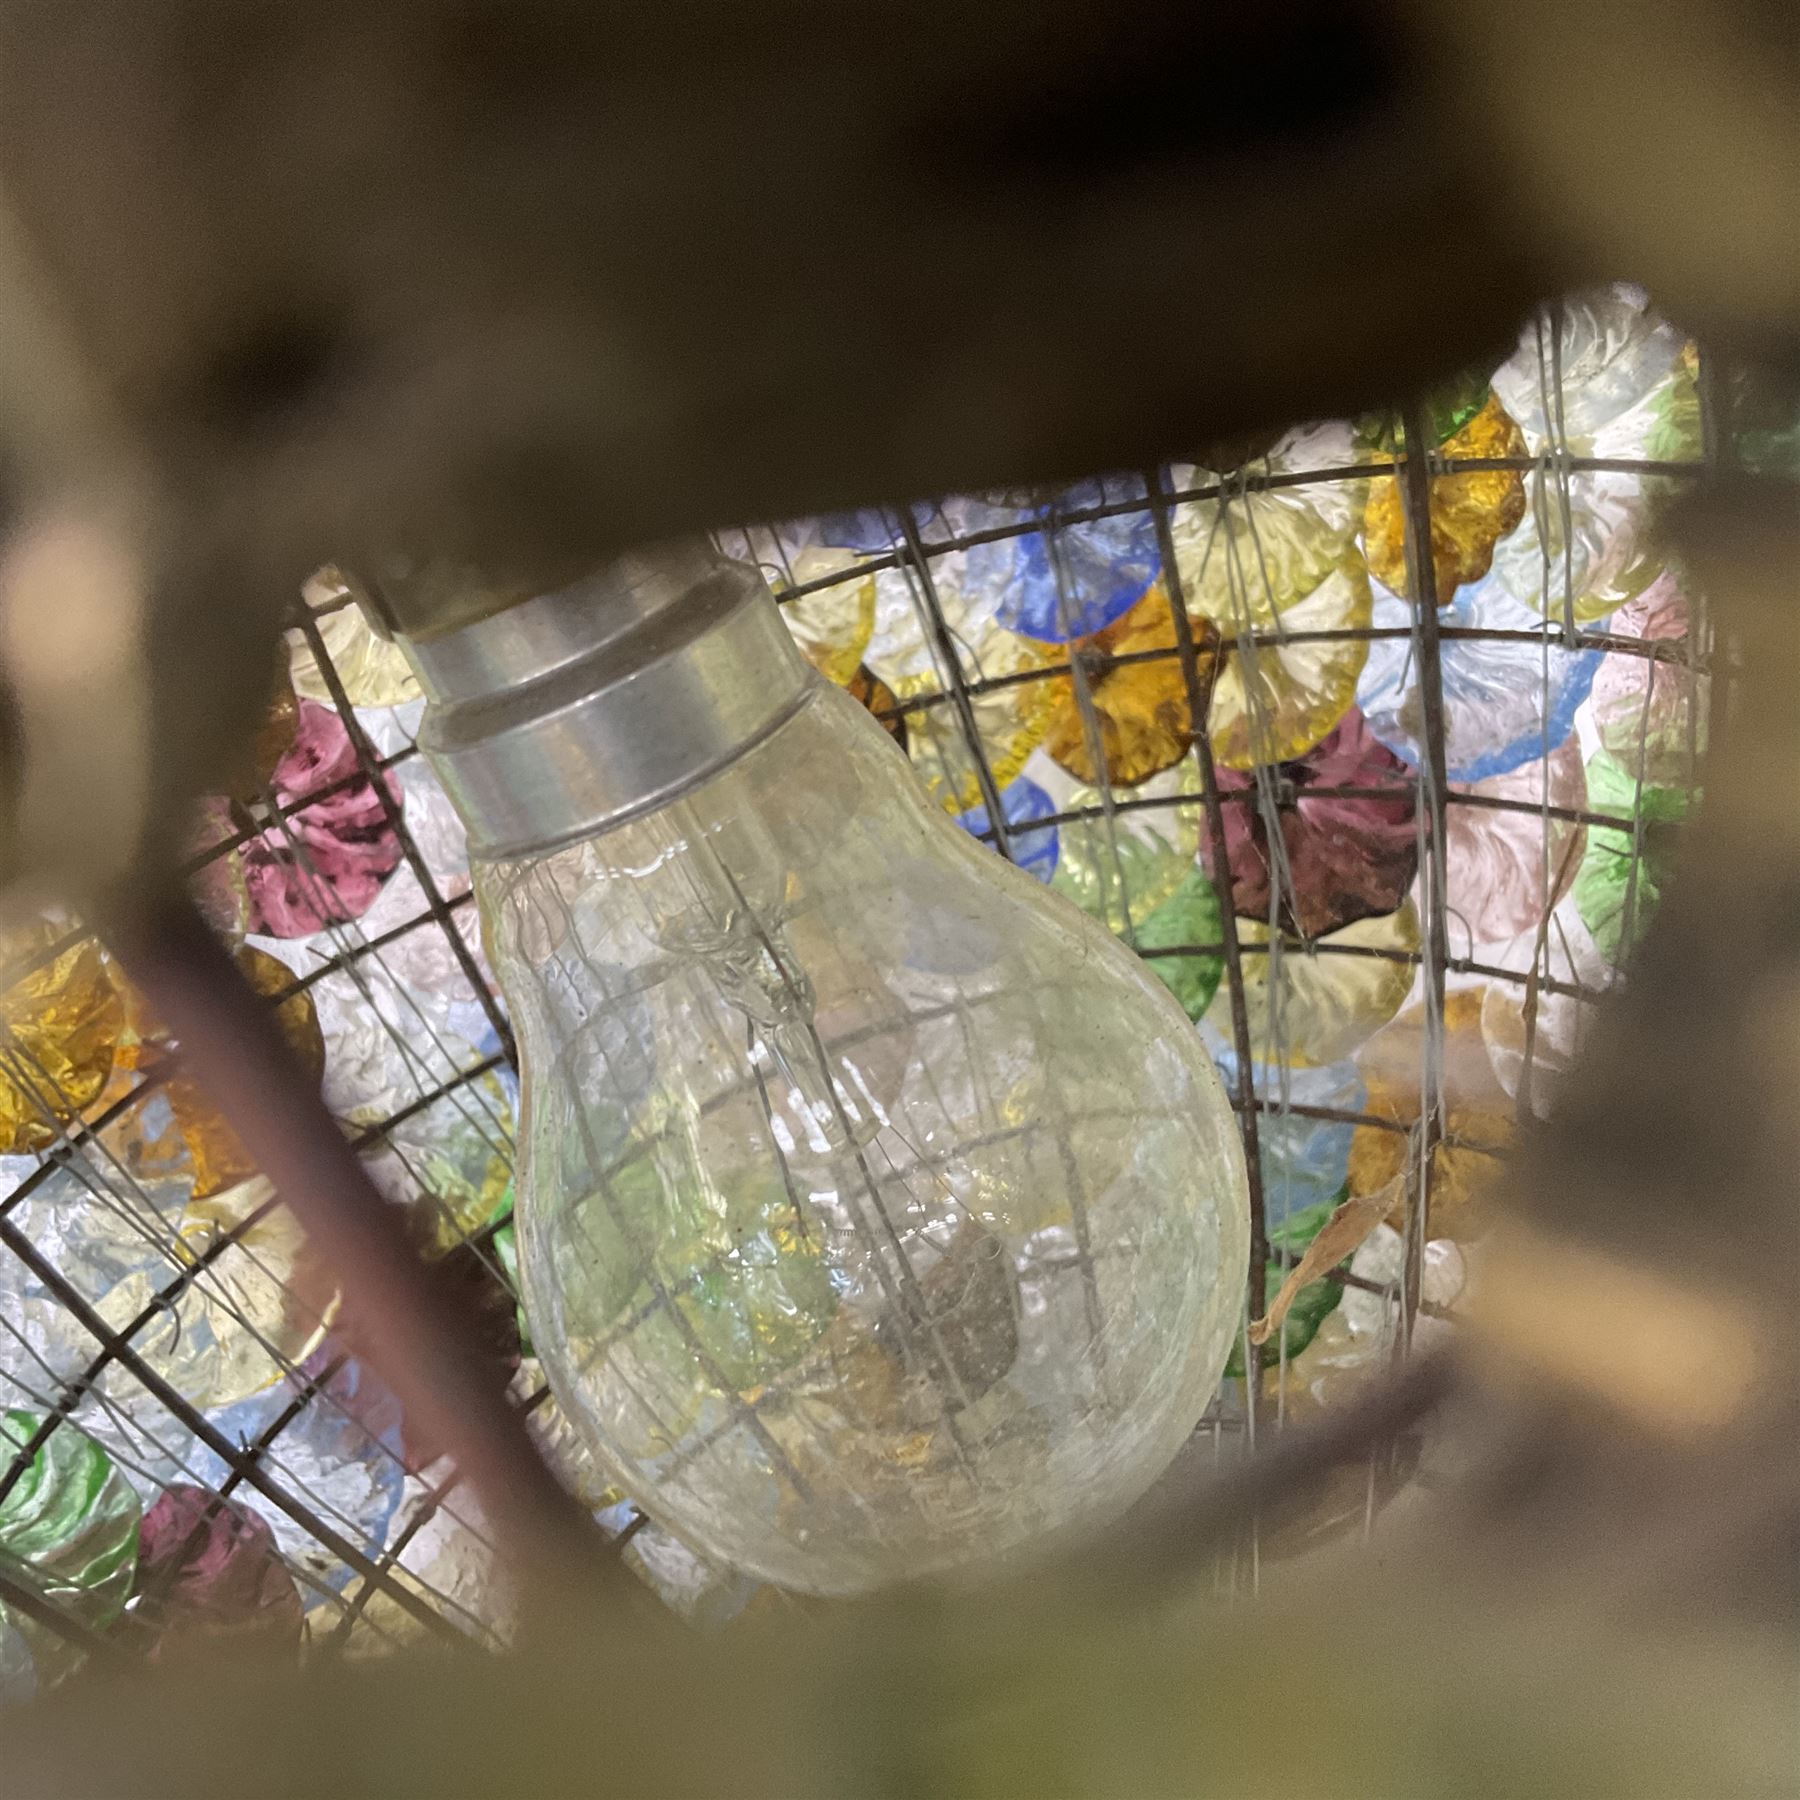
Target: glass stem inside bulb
[(744, 950)]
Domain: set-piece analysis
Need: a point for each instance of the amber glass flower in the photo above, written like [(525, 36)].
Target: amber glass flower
[(1470, 512)]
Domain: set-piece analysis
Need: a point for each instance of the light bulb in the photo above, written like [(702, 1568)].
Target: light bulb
[(877, 1211)]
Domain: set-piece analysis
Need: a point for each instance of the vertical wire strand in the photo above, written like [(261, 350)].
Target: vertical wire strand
[(1421, 568), (1199, 699), (950, 665)]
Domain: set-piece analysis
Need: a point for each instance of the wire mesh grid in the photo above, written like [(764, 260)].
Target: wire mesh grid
[(170, 1318)]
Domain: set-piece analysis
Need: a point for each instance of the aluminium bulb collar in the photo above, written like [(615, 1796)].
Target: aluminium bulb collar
[(574, 711)]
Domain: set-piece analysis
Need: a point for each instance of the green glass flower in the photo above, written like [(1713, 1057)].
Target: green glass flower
[(68, 1530), (1622, 871), (1189, 916), (1312, 1303)]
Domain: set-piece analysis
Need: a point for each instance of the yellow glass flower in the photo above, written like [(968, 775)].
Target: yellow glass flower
[(1478, 1116), (903, 652), (1613, 353), (1470, 513), (452, 1164), (60, 1023), (1281, 689), (1255, 552), (1312, 1005), (1587, 534), (1628, 392), (1010, 722), (373, 670), (251, 1310), (1590, 560), (833, 626)]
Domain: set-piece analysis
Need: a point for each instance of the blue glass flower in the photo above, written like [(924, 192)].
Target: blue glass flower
[(1034, 847), (1068, 580), (1507, 701), (1304, 1160)]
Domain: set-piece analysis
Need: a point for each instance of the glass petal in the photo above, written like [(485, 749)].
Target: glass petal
[(61, 1019), (1279, 692), (1141, 721), (1311, 1005), (1470, 512)]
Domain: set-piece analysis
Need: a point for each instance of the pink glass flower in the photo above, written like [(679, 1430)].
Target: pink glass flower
[(208, 1570), (1343, 856), (321, 864), (1506, 868), (1650, 715)]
